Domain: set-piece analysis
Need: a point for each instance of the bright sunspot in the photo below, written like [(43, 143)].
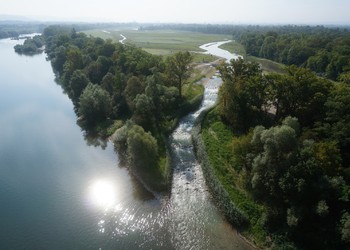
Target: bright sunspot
[(102, 193)]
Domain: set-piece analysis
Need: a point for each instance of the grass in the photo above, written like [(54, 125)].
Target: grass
[(234, 47), (203, 58), (267, 65), (161, 42), (192, 90), (218, 142)]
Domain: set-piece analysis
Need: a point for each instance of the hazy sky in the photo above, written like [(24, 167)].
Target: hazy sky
[(198, 11)]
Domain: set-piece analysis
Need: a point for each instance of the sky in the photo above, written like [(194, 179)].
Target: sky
[(184, 11)]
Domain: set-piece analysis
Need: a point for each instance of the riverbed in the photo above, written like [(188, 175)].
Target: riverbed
[(195, 221)]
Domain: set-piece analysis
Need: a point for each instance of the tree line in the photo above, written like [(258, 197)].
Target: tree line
[(115, 86), (291, 150), (325, 51), (15, 28)]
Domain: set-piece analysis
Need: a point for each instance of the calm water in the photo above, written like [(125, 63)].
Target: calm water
[(57, 192)]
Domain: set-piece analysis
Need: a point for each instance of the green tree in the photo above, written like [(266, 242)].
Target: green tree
[(298, 53), (243, 95), (337, 119), (268, 48), (300, 94), (178, 68), (133, 87), (74, 57), (318, 62), (78, 82), (276, 148), (345, 77), (339, 63), (109, 83), (142, 149), (94, 104), (144, 112), (59, 58)]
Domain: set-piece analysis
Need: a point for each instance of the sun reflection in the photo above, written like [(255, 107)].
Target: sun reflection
[(103, 193)]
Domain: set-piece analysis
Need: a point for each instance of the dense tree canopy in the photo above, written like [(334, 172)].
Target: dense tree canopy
[(243, 94), (94, 104), (31, 46), (297, 164), (323, 50), (110, 84)]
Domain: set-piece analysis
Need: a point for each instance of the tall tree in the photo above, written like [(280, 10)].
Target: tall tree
[(179, 69), (95, 104), (133, 87), (78, 83), (242, 96)]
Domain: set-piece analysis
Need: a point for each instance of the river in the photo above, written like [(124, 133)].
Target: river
[(195, 222), (60, 190)]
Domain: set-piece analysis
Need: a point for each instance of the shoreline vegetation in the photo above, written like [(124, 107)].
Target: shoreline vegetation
[(274, 150), (124, 93), (283, 168), (31, 46)]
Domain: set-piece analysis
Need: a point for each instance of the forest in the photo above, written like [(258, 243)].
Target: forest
[(324, 50), (122, 88), (279, 143), (15, 28)]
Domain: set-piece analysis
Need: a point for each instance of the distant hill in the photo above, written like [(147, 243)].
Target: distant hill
[(14, 18)]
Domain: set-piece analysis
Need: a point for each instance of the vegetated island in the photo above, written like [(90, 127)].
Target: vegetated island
[(31, 46), (277, 145)]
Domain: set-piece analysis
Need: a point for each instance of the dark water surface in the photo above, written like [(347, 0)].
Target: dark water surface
[(57, 192)]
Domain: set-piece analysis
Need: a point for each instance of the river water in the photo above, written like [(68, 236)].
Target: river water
[(195, 221), (60, 189)]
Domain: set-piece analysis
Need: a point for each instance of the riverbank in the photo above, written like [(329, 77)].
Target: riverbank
[(225, 198), (213, 144)]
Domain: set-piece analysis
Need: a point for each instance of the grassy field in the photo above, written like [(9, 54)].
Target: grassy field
[(167, 42), (268, 65), (163, 42)]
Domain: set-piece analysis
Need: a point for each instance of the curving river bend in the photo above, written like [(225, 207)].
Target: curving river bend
[(60, 189)]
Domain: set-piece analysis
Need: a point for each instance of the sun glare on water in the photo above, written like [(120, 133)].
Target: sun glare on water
[(102, 193)]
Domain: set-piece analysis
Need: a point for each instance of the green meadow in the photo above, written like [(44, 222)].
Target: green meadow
[(163, 42)]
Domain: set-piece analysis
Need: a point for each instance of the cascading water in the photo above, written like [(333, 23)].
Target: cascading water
[(195, 223), (191, 207)]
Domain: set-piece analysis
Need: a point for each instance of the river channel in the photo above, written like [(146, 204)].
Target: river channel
[(60, 189)]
